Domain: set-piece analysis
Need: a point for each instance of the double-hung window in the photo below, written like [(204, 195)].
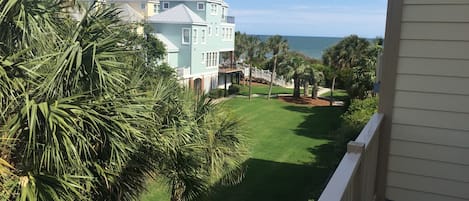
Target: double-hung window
[(186, 36)]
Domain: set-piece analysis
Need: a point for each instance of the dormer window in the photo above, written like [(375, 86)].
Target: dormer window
[(200, 6), (165, 5)]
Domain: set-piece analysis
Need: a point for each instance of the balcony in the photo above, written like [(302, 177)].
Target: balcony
[(354, 178), (230, 19), (183, 72)]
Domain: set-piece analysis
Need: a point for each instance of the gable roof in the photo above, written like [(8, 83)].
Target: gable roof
[(128, 14), (180, 14), (170, 47)]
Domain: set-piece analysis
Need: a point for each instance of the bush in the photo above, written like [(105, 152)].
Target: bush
[(234, 89), (353, 121), (216, 93)]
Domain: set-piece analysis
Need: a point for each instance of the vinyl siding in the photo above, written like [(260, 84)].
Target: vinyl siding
[(429, 145)]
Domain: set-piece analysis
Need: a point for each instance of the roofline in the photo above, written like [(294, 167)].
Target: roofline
[(158, 22)]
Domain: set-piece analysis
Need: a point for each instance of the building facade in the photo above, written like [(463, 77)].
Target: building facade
[(202, 32)]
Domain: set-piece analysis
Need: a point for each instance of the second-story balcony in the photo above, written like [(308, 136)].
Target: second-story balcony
[(229, 19)]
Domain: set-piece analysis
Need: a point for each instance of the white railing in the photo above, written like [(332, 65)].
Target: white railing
[(354, 179), (183, 72), (265, 75)]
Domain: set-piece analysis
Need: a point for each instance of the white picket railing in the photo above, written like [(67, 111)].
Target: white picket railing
[(265, 75), (354, 178)]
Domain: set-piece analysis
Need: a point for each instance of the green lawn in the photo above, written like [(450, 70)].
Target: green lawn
[(292, 153), (339, 95), (264, 90)]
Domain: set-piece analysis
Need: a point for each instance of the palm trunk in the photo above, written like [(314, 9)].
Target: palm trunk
[(176, 191), (296, 87), (315, 91), (250, 81), (305, 88), (331, 99), (272, 77)]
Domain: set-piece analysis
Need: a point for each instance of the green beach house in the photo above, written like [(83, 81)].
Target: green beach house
[(196, 35)]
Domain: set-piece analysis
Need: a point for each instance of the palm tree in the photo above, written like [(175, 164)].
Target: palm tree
[(293, 66), (255, 54), (74, 121), (277, 45), (348, 53)]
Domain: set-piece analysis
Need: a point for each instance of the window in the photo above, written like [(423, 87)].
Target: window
[(223, 33), (142, 6), (214, 9), (203, 58), (209, 30), (200, 6), (155, 8), (186, 36), (194, 36), (223, 13), (203, 40), (207, 56), (216, 31), (165, 5)]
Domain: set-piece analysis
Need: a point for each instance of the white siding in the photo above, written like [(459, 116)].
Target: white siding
[(429, 153)]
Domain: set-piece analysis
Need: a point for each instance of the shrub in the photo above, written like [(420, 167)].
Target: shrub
[(234, 89), (216, 93), (353, 121)]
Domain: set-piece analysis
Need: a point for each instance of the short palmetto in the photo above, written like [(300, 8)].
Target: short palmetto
[(78, 120)]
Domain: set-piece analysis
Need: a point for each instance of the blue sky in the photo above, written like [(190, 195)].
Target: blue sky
[(366, 18)]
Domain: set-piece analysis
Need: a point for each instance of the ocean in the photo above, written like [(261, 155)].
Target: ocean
[(310, 46)]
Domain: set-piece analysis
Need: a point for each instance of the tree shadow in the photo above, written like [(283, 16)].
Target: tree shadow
[(273, 181), (319, 122)]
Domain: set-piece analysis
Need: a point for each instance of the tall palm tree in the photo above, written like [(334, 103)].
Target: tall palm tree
[(277, 45), (348, 53), (255, 53)]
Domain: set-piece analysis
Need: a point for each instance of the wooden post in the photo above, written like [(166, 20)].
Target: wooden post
[(225, 85)]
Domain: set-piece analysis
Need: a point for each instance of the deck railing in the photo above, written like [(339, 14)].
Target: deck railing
[(354, 178)]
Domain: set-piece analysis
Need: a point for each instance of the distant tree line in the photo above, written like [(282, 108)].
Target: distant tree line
[(350, 63)]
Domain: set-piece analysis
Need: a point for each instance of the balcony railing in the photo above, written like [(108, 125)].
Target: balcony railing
[(183, 72), (354, 178), (230, 19)]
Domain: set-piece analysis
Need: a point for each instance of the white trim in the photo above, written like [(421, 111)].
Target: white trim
[(200, 3), (214, 9), (195, 36), (226, 50), (199, 75), (203, 36), (163, 5), (182, 40)]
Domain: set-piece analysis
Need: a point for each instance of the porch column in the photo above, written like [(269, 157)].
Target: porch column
[(232, 59), (225, 84)]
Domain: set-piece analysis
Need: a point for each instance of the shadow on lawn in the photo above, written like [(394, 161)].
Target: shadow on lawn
[(273, 181), (319, 122)]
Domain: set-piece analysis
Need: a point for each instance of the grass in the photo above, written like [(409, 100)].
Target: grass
[(292, 152), (264, 90), (339, 95)]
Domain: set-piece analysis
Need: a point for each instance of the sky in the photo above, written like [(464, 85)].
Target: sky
[(334, 18)]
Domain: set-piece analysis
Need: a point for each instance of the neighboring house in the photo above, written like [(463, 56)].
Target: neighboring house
[(423, 127), (201, 31), (196, 35)]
